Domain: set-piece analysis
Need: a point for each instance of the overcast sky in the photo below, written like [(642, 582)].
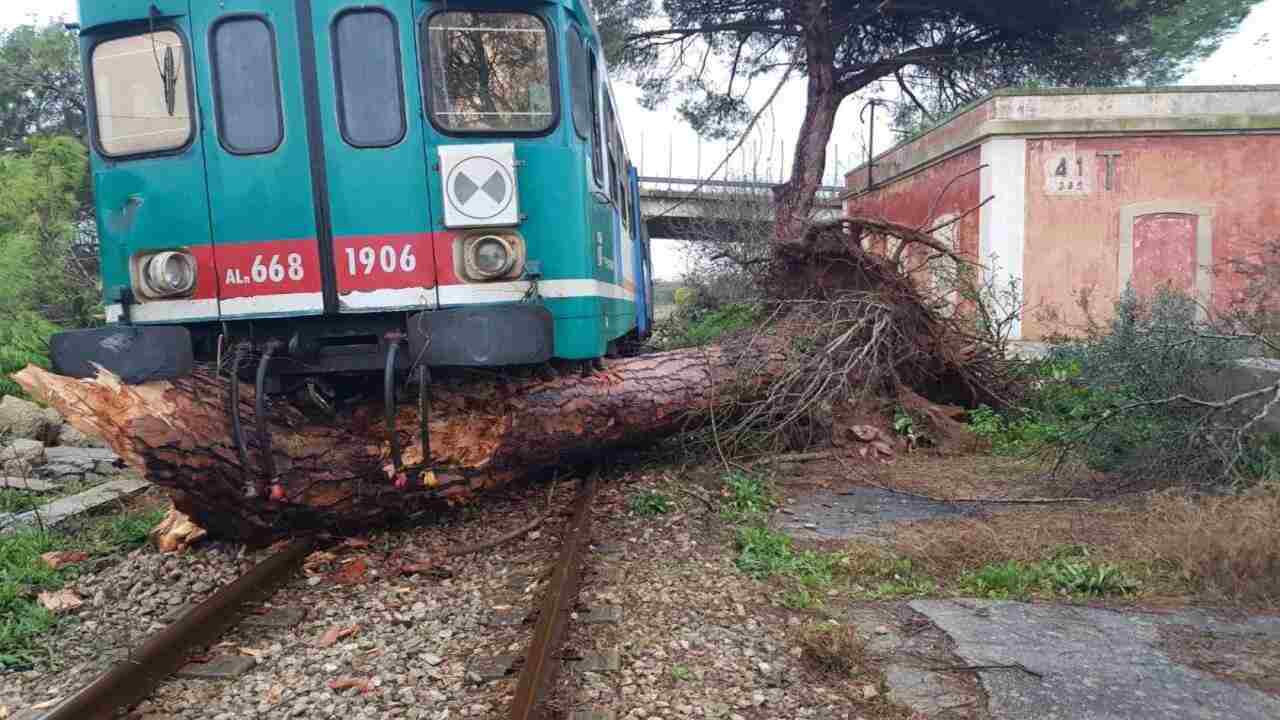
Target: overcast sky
[(661, 144)]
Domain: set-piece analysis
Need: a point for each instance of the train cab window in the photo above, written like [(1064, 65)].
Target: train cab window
[(597, 147), (583, 88), (142, 103), (366, 57), (615, 152), (246, 88), (490, 72)]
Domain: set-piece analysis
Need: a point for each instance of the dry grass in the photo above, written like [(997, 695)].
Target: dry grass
[(1214, 549), (962, 476), (1224, 547), (832, 648), (946, 549)]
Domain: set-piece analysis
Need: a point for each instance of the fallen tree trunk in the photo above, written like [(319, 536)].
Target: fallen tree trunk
[(848, 325), (337, 475)]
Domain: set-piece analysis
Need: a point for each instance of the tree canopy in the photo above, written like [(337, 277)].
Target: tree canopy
[(41, 87), (708, 53)]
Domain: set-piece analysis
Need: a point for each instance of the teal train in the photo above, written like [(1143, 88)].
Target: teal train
[(312, 191)]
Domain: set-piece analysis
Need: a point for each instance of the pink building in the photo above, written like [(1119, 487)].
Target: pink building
[(1093, 190)]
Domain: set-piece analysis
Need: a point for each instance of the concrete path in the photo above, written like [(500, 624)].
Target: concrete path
[(67, 507), (861, 513), (1066, 662)]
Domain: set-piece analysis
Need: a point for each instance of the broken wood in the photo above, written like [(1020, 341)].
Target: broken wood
[(336, 473)]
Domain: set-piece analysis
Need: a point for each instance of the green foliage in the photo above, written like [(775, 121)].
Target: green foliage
[(19, 501), (747, 496), (650, 503), (41, 89), (681, 673), (694, 326), (1189, 34), (764, 553), (1069, 572), (23, 575), (883, 575), (24, 340), (1123, 410), (1261, 459), (41, 283)]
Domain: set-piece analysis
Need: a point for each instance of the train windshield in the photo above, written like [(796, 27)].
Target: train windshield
[(490, 72), (140, 94)]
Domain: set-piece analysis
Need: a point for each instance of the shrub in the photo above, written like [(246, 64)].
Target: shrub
[(1123, 399)]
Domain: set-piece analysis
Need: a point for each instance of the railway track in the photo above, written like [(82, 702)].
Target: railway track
[(134, 678)]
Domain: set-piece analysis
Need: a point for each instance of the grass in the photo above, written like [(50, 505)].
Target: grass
[(20, 501), (746, 496), (650, 503), (23, 575), (879, 574), (1074, 576), (1224, 547), (829, 647), (765, 553), (704, 328)]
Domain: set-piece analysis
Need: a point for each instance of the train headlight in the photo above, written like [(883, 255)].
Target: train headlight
[(168, 274), (489, 257)]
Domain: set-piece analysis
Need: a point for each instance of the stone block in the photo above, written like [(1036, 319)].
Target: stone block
[(222, 667), (607, 661), (284, 617), (601, 615), (484, 668), (24, 419)]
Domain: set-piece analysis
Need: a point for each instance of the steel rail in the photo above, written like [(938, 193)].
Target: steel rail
[(542, 659), (132, 679)]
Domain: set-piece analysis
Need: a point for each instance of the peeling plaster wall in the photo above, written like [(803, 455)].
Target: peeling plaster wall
[(1074, 240), (908, 200)]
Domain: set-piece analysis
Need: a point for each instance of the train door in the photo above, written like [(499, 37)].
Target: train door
[(262, 207), (371, 112)]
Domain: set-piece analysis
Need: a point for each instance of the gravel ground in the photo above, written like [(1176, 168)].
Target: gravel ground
[(697, 639), (125, 599)]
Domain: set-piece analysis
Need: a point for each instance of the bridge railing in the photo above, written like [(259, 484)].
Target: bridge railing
[(825, 192)]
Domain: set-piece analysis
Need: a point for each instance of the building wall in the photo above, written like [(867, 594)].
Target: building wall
[(919, 200), (1167, 190)]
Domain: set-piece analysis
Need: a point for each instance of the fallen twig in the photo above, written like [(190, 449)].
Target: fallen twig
[(796, 458), (975, 668)]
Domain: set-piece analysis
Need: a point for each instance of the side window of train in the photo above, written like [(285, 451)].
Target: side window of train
[(580, 80), (246, 86), (612, 146), (597, 147), (142, 102), (366, 60)]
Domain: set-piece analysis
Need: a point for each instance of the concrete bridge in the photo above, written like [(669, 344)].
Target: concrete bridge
[(717, 210)]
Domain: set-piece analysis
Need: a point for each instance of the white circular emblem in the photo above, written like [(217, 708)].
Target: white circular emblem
[(479, 187)]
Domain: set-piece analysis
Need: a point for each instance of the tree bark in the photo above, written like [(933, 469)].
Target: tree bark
[(795, 198), (337, 474)]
